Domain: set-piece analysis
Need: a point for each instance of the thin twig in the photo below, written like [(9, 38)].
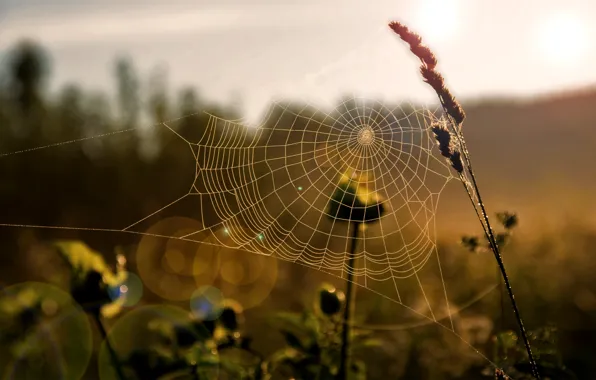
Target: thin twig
[(488, 231), (349, 309), (113, 356), (499, 259), (455, 116)]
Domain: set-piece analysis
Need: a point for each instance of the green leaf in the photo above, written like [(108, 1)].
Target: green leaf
[(325, 373), (162, 327), (359, 334), (290, 320), (471, 243), (370, 342), (357, 371), (232, 368), (298, 324), (81, 258), (507, 340), (91, 278), (312, 324), (502, 239), (286, 355), (293, 341), (507, 219)]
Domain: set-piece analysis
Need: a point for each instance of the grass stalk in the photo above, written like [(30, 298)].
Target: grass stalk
[(345, 354), (455, 115), (497, 253), (113, 356), (499, 258)]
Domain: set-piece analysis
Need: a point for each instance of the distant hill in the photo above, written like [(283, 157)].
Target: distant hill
[(536, 155)]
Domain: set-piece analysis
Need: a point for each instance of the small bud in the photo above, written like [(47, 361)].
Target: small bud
[(185, 336), (500, 375), (229, 319), (456, 162), (502, 239), (508, 220), (231, 316), (331, 300), (470, 242), (443, 138), (92, 292)]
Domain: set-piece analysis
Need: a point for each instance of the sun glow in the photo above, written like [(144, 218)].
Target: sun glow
[(437, 20), (563, 38)]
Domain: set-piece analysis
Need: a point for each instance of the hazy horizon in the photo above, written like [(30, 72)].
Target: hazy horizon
[(262, 49)]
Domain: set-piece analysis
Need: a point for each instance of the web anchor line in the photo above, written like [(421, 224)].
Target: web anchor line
[(268, 187)]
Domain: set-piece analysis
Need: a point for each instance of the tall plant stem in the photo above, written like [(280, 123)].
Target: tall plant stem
[(113, 356), (455, 115), (488, 231), (345, 353), (495, 248)]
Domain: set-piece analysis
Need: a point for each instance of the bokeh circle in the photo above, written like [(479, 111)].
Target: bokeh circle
[(44, 334)]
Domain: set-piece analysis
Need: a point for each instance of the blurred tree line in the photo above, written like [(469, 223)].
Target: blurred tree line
[(72, 185)]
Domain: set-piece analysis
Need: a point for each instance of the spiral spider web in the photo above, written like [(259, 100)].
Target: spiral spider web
[(266, 189)]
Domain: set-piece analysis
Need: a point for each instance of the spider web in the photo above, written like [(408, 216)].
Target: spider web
[(266, 189)]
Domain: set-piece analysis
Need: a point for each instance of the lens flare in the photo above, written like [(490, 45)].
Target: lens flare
[(144, 332), (563, 38), (437, 20), (247, 277), (172, 266), (206, 303), (130, 290), (50, 331)]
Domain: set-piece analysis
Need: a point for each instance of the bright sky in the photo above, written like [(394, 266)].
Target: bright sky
[(259, 48)]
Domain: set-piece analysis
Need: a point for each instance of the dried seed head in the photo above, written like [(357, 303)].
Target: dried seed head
[(405, 34), (446, 148), (443, 138), (425, 54), (433, 78), (458, 114), (500, 375), (456, 162), (415, 41), (229, 319), (452, 106), (398, 28)]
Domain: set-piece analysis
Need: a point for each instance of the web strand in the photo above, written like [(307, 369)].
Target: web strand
[(269, 187)]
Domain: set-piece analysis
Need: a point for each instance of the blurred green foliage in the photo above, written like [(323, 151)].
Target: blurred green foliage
[(43, 334), (513, 359), (507, 220), (313, 340)]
